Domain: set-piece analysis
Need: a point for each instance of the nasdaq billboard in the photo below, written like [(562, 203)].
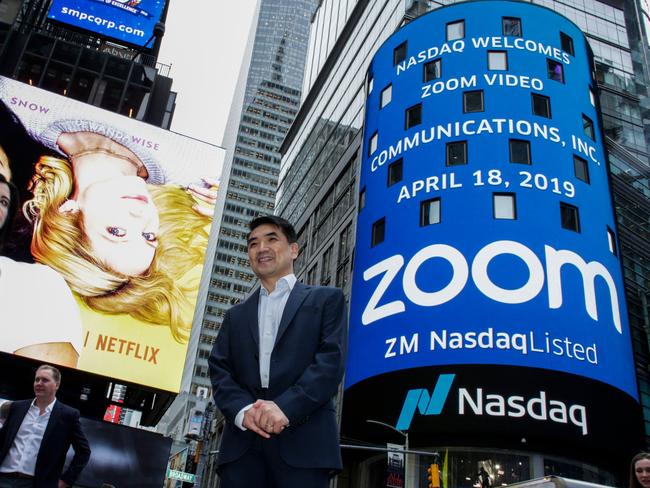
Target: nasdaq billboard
[(486, 233), (130, 21)]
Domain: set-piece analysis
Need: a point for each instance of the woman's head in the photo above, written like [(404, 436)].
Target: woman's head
[(640, 471), (65, 239), (8, 207), (120, 222)]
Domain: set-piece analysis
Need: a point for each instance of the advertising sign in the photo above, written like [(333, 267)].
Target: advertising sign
[(130, 21), (123, 457), (395, 466), (101, 269), (486, 234)]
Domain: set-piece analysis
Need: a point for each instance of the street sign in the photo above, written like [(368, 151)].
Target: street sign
[(395, 468), (180, 475)]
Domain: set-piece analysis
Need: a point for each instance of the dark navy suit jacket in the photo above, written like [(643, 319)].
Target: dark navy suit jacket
[(63, 430), (306, 368)]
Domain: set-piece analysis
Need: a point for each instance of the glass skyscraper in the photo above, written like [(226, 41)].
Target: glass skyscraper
[(271, 100)]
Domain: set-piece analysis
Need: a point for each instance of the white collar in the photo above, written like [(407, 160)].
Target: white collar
[(289, 279), (48, 409)]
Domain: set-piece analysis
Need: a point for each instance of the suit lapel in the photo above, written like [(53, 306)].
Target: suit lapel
[(296, 297), (17, 418), (250, 316)]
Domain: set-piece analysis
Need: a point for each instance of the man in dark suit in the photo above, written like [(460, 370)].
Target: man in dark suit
[(36, 436), (276, 364)]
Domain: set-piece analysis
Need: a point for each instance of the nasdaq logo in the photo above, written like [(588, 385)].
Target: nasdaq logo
[(419, 399)]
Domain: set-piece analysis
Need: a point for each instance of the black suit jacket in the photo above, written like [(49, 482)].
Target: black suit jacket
[(306, 368), (63, 430)]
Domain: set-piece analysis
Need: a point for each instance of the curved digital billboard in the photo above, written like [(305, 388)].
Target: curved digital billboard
[(486, 249)]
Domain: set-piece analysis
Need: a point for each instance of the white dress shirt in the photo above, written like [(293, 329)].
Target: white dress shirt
[(21, 457), (269, 313)]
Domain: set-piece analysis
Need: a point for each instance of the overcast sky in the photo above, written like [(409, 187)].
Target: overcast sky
[(204, 43)]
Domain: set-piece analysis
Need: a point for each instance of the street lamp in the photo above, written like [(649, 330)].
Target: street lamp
[(388, 426), (406, 445)]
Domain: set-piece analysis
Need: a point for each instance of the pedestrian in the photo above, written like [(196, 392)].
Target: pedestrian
[(37, 435), (275, 367), (640, 471)]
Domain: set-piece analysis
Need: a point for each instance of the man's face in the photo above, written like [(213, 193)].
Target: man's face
[(44, 385), (270, 254)]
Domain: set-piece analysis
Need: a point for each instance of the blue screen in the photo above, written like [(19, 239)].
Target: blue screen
[(486, 233), (130, 21)]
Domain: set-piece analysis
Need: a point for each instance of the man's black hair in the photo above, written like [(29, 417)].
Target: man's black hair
[(284, 225)]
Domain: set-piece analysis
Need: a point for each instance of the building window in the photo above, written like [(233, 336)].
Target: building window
[(345, 244), (378, 232), (430, 212), (588, 127), (399, 53), (611, 241), (395, 172), (473, 101), (567, 44), (372, 144), (519, 151), (362, 199), (386, 96), (504, 206), (554, 70), (569, 217), (432, 70), (455, 30), (325, 270), (413, 116), (497, 60), (581, 169), (511, 26), (456, 153), (541, 105), (371, 84), (312, 275), (592, 97)]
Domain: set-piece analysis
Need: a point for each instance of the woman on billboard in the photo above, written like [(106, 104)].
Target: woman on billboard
[(39, 313), (122, 245)]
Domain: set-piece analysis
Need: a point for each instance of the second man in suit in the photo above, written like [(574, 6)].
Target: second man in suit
[(36, 436), (276, 364)]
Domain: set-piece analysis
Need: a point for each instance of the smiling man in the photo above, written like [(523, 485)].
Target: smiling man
[(276, 364), (36, 436)]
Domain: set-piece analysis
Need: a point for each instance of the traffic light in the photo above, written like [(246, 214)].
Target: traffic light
[(433, 475)]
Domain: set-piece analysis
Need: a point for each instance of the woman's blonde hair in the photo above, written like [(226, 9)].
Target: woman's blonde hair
[(156, 296)]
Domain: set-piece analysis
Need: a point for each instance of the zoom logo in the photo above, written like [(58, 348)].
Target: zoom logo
[(538, 407)]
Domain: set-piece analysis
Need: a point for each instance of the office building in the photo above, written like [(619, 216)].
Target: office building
[(319, 191)]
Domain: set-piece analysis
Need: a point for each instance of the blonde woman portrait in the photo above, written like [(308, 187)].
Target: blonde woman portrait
[(121, 245)]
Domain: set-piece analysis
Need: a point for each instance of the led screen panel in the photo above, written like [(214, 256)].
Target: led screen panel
[(102, 267), (123, 456), (487, 237), (129, 21)]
